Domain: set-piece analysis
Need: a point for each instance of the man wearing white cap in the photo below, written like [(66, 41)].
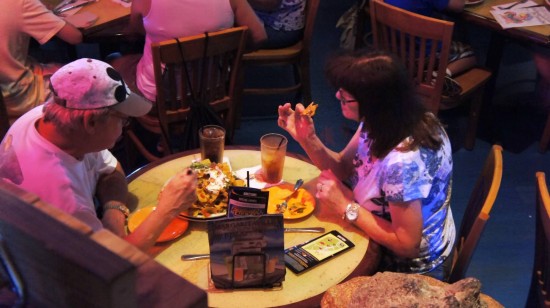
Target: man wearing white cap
[(62, 151)]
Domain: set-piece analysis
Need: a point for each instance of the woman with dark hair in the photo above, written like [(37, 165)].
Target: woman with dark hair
[(393, 179)]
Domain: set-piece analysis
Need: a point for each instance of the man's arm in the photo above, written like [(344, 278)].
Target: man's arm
[(112, 191), (70, 34)]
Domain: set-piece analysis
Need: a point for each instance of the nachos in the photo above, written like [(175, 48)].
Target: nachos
[(214, 180)]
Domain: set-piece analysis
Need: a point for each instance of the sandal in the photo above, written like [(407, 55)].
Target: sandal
[(451, 87)]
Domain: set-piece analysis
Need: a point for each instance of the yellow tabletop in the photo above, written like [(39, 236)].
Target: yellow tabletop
[(146, 184)]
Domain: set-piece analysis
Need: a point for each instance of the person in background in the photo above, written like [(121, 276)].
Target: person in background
[(283, 20), (393, 179), (167, 19), (24, 81), (61, 150), (462, 56)]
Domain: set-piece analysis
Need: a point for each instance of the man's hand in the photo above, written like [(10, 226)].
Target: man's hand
[(179, 193)]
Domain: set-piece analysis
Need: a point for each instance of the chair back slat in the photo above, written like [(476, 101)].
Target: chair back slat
[(412, 38), (477, 212)]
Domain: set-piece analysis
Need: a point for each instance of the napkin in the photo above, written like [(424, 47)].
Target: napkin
[(124, 3), (255, 180), (82, 20), (522, 15)]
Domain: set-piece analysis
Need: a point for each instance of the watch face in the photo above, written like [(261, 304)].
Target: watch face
[(352, 212), (352, 215)]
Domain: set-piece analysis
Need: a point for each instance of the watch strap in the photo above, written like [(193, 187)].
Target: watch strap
[(116, 205)]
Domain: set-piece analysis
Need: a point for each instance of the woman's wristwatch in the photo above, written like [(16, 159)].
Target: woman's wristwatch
[(352, 212)]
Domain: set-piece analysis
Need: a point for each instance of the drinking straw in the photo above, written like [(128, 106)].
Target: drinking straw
[(281, 142), (247, 178)]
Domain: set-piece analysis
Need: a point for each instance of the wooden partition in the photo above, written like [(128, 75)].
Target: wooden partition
[(55, 260)]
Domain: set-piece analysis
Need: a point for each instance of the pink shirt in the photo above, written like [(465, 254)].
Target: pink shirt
[(168, 19)]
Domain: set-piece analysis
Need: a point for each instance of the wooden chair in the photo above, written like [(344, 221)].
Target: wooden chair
[(4, 119), (54, 260), (296, 55), (477, 212), (213, 63), (406, 35), (539, 292)]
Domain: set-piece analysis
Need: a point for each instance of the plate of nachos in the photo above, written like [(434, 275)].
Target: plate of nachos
[(214, 181)]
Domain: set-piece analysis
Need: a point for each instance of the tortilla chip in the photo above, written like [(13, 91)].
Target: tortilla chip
[(310, 109)]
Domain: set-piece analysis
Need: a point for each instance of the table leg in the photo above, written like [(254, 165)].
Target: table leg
[(492, 62)]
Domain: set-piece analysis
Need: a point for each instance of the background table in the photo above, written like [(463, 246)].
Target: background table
[(480, 15), (110, 14), (306, 288)]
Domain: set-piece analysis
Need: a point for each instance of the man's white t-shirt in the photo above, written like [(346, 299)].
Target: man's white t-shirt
[(55, 176)]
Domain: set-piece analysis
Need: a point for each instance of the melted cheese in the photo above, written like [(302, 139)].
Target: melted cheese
[(217, 180)]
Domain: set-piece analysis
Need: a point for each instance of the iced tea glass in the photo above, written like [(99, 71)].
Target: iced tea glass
[(273, 150)]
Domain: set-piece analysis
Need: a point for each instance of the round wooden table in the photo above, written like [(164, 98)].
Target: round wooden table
[(303, 289)]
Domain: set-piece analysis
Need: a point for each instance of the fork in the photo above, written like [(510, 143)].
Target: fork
[(511, 6), (63, 4), (281, 207), (71, 7)]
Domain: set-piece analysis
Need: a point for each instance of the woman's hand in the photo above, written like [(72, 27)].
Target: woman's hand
[(179, 193), (299, 126), (332, 193)]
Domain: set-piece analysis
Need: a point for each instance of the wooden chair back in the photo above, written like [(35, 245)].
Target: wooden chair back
[(408, 35), (54, 260), (213, 62), (297, 55), (477, 211), (4, 119), (539, 291)]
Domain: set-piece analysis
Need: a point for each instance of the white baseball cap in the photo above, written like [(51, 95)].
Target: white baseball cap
[(93, 84)]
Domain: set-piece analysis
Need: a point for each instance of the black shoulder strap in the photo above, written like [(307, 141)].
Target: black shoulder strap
[(204, 66)]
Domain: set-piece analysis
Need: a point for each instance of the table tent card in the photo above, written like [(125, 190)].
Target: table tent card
[(247, 251), (245, 201)]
